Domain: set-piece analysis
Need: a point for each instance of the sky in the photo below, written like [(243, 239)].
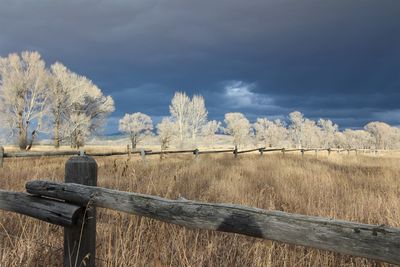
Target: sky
[(337, 59)]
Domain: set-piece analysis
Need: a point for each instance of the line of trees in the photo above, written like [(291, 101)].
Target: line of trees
[(55, 100), (188, 121), (35, 99)]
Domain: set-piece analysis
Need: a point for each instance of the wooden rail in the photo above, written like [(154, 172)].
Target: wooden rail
[(73, 205), (371, 241), (51, 211), (144, 153)]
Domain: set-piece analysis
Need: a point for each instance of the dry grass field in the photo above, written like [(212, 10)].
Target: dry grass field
[(355, 188)]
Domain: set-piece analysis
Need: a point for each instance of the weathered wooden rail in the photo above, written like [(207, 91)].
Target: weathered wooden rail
[(144, 153), (56, 212), (73, 205)]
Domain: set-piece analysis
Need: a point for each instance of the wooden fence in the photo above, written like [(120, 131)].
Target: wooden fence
[(196, 152), (73, 205)]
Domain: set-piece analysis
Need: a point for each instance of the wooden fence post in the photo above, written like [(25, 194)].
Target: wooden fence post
[(1, 156), (283, 151), (316, 152), (196, 153), (128, 148), (302, 152), (80, 239), (143, 154), (329, 152), (261, 151), (348, 151), (235, 152)]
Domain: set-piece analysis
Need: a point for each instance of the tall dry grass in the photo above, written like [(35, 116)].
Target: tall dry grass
[(363, 189)]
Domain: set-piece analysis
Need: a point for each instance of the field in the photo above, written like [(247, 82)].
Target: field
[(359, 188)]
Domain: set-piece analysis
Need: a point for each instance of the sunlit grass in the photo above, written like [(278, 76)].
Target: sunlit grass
[(356, 188)]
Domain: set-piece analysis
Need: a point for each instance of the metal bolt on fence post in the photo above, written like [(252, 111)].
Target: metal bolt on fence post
[(80, 239)]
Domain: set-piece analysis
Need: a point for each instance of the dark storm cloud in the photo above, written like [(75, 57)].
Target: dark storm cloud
[(336, 59)]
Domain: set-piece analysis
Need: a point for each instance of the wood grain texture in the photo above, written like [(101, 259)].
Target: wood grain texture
[(170, 152), (28, 154), (370, 241), (47, 210), (80, 240), (216, 151), (250, 150), (1, 156)]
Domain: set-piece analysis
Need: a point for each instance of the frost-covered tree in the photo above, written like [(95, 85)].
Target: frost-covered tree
[(381, 133), (197, 116), (270, 133), (328, 131), (210, 129), (238, 126), (165, 131), (179, 110), (357, 139), (340, 140), (311, 134), (95, 107), (66, 91), (78, 107), (137, 126), (23, 94), (296, 127), (304, 132)]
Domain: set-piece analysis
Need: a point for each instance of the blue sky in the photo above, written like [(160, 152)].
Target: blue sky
[(337, 59)]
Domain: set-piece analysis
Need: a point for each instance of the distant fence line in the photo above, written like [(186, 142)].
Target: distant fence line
[(73, 205), (196, 152)]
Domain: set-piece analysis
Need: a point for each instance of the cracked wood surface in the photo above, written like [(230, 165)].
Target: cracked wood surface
[(369, 241)]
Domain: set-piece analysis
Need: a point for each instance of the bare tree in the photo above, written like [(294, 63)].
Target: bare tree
[(66, 90), (210, 129), (165, 131), (358, 139), (179, 110), (304, 132), (311, 134), (328, 131), (296, 127), (94, 106), (197, 116), (23, 94), (381, 133), (238, 126), (78, 107), (137, 125), (270, 133)]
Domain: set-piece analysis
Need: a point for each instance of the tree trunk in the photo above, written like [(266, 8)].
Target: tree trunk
[(29, 146), (57, 131), (134, 142), (22, 138)]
